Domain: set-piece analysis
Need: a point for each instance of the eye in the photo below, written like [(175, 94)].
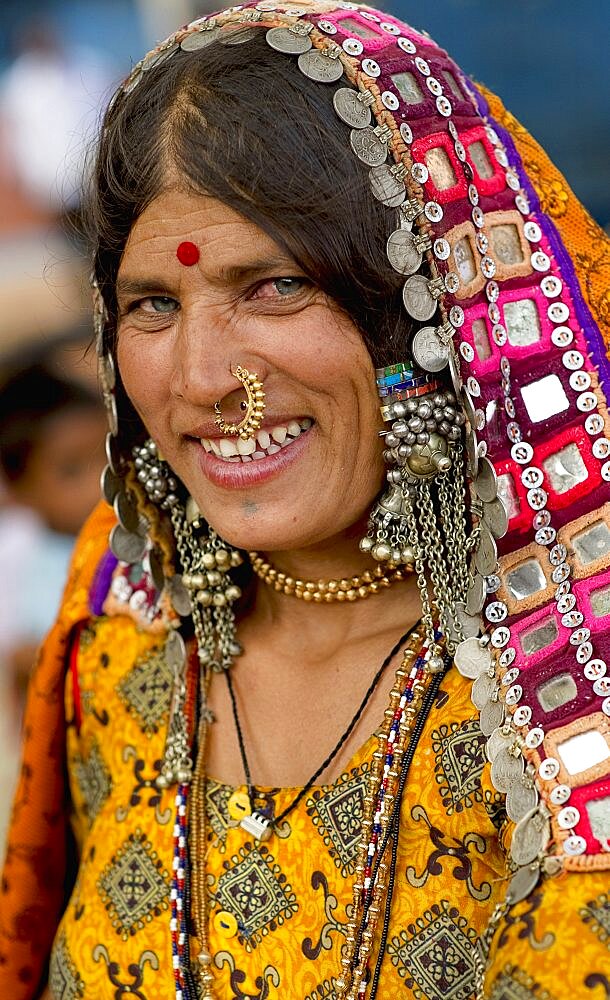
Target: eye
[(157, 304), (281, 288)]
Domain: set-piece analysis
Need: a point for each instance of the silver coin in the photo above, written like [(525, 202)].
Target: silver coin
[(319, 67), (351, 110), (199, 40), (179, 595), (475, 595), (471, 658), (471, 625), (368, 147), (501, 738), (520, 799), (125, 545), (126, 511), (428, 350), (495, 517), (287, 41), (492, 716), (175, 650), (155, 565), (486, 483), (111, 413), (402, 253), (419, 301), (386, 187), (530, 837), (486, 555), (472, 451), (522, 883), (113, 454), (506, 769), (110, 484), (482, 691)]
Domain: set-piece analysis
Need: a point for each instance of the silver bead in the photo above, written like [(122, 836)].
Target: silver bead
[(435, 664)]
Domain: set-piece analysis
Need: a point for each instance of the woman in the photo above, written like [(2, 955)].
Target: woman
[(254, 814)]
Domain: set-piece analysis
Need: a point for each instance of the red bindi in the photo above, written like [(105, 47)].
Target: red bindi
[(187, 253)]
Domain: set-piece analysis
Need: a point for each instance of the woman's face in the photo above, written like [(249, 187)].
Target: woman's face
[(316, 463)]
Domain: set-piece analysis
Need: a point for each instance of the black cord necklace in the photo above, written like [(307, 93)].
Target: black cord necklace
[(258, 823)]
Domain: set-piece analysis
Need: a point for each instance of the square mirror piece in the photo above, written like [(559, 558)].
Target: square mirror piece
[(581, 752), (354, 27), (441, 169), (508, 494), (545, 398), (481, 339), (522, 322), (525, 580), (542, 635), (453, 85), (565, 469), (482, 163), (592, 543), (598, 811), (408, 87), (557, 691), (600, 601), (464, 260), (506, 244)]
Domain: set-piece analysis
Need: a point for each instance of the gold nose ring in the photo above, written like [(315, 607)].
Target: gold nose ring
[(253, 406)]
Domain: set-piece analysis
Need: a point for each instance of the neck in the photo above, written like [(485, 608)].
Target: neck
[(323, 626)]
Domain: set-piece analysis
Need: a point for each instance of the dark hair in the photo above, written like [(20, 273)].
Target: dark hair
[(241, 123), (29, 399)]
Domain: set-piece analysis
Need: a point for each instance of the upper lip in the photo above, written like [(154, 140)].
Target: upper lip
[(209, 429)]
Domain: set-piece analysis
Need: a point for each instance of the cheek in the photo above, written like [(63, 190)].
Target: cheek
[(142, 372)]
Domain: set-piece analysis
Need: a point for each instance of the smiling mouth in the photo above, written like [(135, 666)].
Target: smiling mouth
[(267, 441)]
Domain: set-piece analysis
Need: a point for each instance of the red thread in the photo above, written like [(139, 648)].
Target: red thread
[(187, 253)]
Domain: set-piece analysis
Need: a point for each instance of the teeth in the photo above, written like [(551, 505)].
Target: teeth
[(207, 445), (279, 434), (294, 428), (273, 449), (246, 447), (227, 448), (306, 423), (263, 439), (215, 448)]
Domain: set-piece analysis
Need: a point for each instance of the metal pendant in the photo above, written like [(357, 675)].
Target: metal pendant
[(492, 716), (113, 454), (522, 883), (111, 484), (368, 147), (402, 252), (483, 690), (319, 67), (386, 187), (502, 738), (179, 595), (506, 769), (530, 837), (418, 300), (521, 798), (126, 511), (175, 651), (257, 826), (287, 41), (471, 658), (111, 413), (350, 109), (486, 555), (486, 483), (471, 625), (125, 545), (428, 349), (475, 595), (495, 517), (199, 40)]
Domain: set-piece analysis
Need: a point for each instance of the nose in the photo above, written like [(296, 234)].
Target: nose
[(208, 349)]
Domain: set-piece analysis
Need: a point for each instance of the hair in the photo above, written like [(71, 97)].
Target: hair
[(29, 400), (241, 123)]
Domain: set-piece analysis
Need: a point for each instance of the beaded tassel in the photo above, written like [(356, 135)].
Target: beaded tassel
[(178, 918)]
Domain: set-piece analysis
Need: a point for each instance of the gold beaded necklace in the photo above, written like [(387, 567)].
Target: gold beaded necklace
[(327, 591)]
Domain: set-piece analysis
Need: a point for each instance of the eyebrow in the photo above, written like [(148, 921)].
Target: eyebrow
[(233, 274)]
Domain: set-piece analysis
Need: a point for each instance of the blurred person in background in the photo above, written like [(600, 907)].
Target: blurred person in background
[(51, 448)]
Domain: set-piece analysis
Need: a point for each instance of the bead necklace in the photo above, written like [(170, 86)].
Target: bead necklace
[(412, 695), (260, 825), (328, 591)]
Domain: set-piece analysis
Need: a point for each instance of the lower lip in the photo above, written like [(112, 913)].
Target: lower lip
[(241, 475)]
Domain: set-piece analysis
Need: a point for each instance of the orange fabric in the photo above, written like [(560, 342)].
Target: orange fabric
[(33, 885)]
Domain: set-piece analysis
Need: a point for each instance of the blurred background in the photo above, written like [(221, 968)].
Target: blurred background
[(59, 62)]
